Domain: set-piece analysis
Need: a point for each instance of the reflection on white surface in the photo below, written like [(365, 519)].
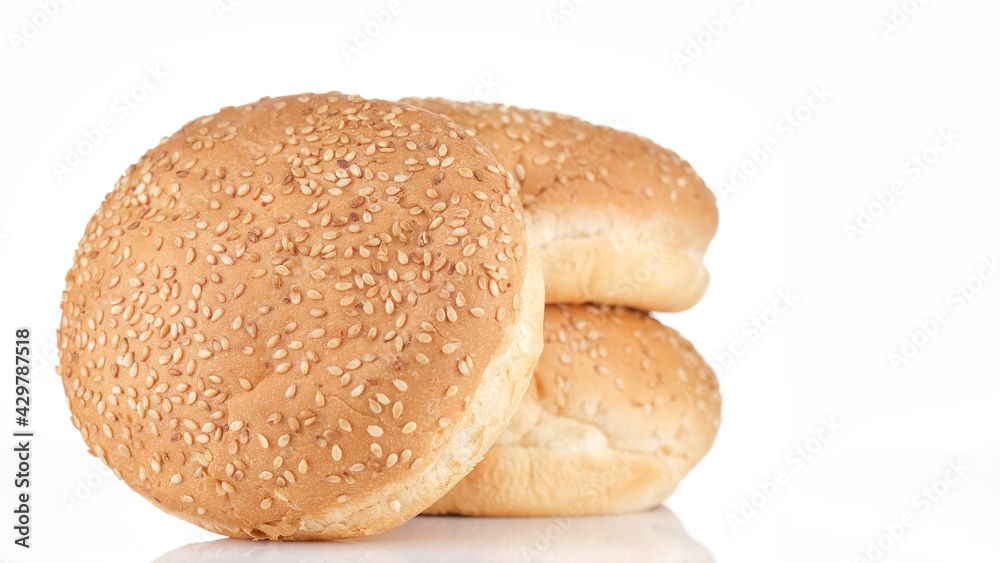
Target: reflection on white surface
[(656, 535)]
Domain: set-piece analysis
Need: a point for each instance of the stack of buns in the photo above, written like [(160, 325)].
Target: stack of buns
[(311, 317), (620, 407)]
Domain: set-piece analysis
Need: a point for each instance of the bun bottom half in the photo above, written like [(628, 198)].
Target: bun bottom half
[(619, 410), (533, 482)]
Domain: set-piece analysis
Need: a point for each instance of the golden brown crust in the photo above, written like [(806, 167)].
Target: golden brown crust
[(301, 318), (616, 218), (620, 408)]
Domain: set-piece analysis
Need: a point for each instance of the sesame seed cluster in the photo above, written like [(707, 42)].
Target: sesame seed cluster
[(626, 352), (598, 351), (288, 311), (613, 387), (617, 219), (555, 157)]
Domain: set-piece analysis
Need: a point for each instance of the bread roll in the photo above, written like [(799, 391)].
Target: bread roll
[(620, 408), (616, 218), (302, 318)]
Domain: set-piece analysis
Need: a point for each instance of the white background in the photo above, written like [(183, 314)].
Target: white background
[(826, 357)]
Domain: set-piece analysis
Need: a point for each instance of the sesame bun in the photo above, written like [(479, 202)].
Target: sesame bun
[(619, 410), (302, 318), (616, 218)]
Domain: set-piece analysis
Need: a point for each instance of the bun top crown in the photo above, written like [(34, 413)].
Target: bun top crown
[(565, 163), (605, 208), (286, 307)]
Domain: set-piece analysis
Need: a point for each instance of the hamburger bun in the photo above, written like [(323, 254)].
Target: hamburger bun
[(302, 318), (620, 408), (616, 218)]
